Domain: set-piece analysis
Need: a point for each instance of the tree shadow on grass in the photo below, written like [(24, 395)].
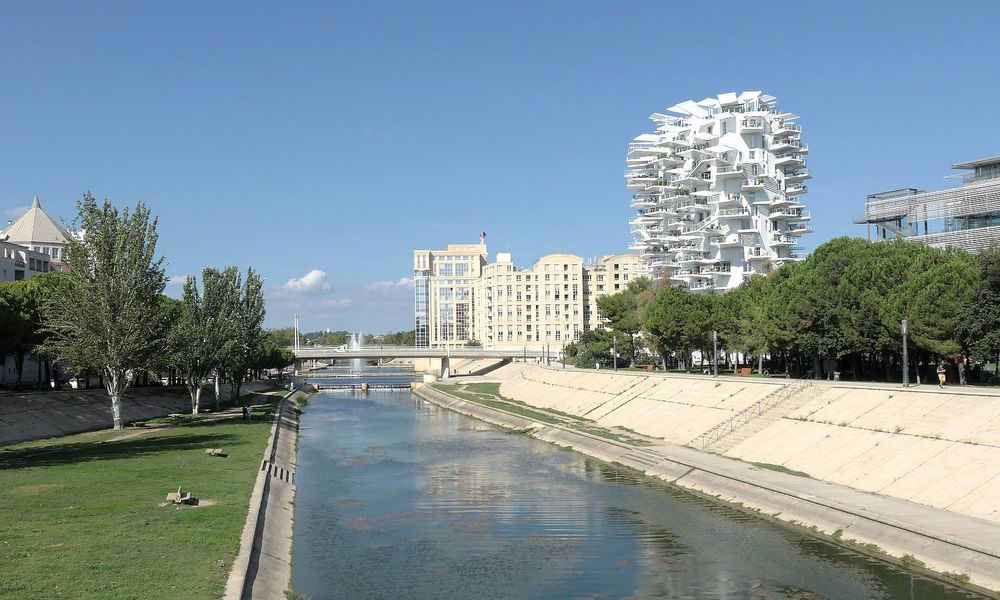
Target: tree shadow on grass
[(74, 452)]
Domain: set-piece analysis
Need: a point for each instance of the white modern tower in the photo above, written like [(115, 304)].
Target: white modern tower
[(718, 191)]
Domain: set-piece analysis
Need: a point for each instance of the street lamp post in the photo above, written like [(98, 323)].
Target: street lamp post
[(906, 361), (614, 343), (715, 358)]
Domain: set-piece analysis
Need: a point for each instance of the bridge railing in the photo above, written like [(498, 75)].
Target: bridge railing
[(409, 351)]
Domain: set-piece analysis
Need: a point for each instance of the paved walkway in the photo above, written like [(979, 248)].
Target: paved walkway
[(263, 567)]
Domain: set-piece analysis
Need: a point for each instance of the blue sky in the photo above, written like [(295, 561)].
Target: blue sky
[(322, 142)]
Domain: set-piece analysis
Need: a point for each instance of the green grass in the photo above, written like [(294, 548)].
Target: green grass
[(910, 560), (81, 515), (488, 394), (781, 469)]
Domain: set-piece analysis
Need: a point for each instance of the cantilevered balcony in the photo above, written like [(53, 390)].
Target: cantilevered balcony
[(728, 172), (784, 128), (796, 189), (793, 159), (796, 176), (729, 241), (644, 201), (784, 144), (734, 213), (798, 229), (789, 213), (724, 200), (753, 183), (752, 125), (702, 285)]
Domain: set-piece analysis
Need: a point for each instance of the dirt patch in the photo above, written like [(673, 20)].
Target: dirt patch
[(35, 490), (135, 433), (197, 503)]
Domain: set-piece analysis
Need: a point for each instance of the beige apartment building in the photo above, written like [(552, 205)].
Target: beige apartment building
[(459, 296)]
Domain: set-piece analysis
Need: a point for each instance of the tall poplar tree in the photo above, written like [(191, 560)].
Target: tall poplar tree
[(204, 333), (105, 313), (248, 330)]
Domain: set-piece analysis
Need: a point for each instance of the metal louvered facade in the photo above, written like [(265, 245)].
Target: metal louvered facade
[(966, 217)]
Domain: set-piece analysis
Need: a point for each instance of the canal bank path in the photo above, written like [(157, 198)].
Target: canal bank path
[(951, 546), (263, 567)]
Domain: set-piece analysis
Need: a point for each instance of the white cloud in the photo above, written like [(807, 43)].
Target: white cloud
[(381, 285), (312, 281), (15, 212), (334, 303), (373, 306), (175, 285)]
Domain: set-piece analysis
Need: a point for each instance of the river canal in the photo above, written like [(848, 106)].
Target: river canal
[(397, 498)]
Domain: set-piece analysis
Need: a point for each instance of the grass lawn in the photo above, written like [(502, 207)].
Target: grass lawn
[(488, 394), (782, 469), (80, 516)]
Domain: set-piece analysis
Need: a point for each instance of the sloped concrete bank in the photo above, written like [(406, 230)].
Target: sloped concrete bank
[(38, 415), (263, 566), (953, 546)]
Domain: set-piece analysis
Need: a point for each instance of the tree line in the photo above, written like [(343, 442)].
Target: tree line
[(107, 313), (839, 309), (285, 337)]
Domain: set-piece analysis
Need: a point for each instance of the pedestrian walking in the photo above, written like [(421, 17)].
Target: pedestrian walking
[(942, 373), (962, 378)]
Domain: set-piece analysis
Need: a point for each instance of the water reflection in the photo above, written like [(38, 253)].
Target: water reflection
[(400, 499)]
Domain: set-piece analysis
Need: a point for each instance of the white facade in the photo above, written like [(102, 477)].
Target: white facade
[(40, 233), (18, 262), (718, 191), (460, 296)]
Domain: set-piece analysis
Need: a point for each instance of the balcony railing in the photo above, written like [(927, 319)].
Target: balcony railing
[(734, 212)]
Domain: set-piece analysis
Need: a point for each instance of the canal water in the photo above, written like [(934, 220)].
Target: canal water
[(397, 498)]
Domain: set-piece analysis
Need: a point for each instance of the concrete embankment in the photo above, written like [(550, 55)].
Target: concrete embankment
[(930, 446), (263, 567), (38, 415), (946, 541)]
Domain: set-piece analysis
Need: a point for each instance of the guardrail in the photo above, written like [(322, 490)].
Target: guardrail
[(753, 411)]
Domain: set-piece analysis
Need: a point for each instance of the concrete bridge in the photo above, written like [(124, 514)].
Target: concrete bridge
[(435, 363)]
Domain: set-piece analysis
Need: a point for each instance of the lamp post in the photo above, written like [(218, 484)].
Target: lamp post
[(614, 353), (296, 328), (906, 360), (715, 357)]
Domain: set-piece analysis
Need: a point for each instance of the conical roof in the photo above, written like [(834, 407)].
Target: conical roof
[(36, 227)]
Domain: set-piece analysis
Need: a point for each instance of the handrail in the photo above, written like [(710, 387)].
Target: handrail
[(754, 410)]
